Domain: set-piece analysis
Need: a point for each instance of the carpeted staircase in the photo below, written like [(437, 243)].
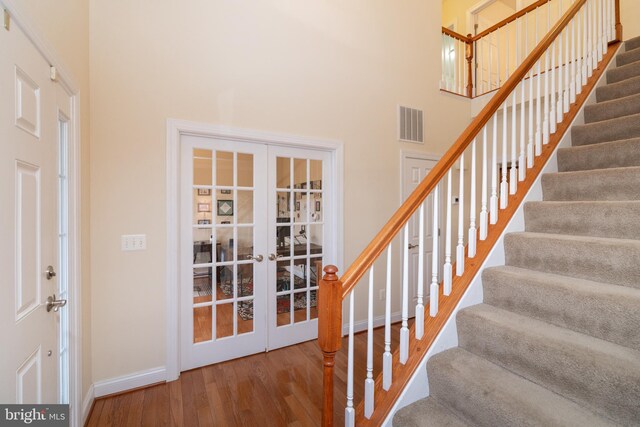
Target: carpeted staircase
[(557, 340)]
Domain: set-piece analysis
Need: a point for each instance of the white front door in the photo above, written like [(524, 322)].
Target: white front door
[(253, 227), (30, 364), (415, 170)]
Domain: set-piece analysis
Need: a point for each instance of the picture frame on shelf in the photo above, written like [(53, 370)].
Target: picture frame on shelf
[(204, 207), (318, 206), (225, 191), (204, 192), (204, 221)]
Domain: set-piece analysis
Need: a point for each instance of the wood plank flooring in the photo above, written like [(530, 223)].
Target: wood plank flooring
[(279, 388)]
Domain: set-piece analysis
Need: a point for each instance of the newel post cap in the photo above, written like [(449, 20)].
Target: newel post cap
[(330, 273)]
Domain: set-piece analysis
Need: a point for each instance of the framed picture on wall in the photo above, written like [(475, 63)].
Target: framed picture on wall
[(225, 191), (225, 207), (204, 221), (204, 192), (204, 207)]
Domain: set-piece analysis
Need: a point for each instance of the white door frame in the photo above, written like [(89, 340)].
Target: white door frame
[(68, 83), (177, 128)]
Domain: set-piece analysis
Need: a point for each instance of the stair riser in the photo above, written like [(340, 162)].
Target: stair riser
[(605, 384), (625, 72), (611, 110), (614, 262), (612, 184), (569, 306), (618, 90), (632, 44), (608, 219), (618, 154), (628, 57), (612, 130)]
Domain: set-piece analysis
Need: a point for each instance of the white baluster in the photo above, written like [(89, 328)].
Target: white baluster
[(513, 177), (490, 37), (530, 141), (595, 42), (472, 203), (612, 21), (504, 186), (603, 42), (368, 383), (484, 213), (349, 412), (459, 61), (493, 200), (447, 251), (573, 91), (589, 32), (538, 138), (443, 80), (560, 106), (420, 302), (545, 122), (434, 291), (404, 329), (567, 79), (522, 160), (553, 120), (460, 247), (585, 43), (577, 53), (387, 366)]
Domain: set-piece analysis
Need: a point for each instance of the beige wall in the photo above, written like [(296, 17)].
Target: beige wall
[(630, 18), (64, 24), (332, 69)]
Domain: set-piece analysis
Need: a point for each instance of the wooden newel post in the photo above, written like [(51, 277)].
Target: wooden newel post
[(618, 23), (469, 56), (329, 335)]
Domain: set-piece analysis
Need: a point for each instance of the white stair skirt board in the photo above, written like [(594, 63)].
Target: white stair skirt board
[(418, 386), (129, 382)]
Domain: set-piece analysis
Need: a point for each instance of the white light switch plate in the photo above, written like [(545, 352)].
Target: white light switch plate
[(134, 242)]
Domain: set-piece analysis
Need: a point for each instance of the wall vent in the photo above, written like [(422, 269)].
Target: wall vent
[(410, 125)]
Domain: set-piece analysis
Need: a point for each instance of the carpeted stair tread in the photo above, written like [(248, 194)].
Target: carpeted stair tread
[(613, 109), (628, 57), (614, 261), (601, 184), (427, 413), (618, 90), (617, 129), (484, 394), (606, 155), (632, 44), (605, 311), (614, 219), (623, 72), (598, 374)]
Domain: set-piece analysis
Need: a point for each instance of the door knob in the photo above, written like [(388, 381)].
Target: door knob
[(412, 246), (55, 304), (50, 273), (273, 257), (257, 258)]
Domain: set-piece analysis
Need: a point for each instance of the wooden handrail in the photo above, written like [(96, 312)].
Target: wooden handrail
[(510, 19), (451, 33), (380, 242)]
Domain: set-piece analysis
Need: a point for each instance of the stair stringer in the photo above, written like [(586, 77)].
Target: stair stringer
[(418, 386)]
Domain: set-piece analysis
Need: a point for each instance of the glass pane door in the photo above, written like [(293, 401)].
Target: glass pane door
[(223, 287), (298, 242)]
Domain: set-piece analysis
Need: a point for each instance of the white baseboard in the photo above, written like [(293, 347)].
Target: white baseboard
[(87, 403), (131, 381), (378, 321)]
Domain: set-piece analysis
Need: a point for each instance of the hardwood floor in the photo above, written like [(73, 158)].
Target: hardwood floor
[(279, 388)]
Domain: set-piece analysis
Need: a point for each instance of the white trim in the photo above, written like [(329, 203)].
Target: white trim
[(68, 82), (177, 128), (130, 381), (378, 321), (87, 403), (482, 4)]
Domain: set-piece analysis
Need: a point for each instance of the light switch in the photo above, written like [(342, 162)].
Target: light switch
[(134, 242)]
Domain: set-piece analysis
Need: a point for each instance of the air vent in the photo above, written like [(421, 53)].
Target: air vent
[(410, 127)]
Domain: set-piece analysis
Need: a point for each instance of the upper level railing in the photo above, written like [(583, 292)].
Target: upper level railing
[(475, 65), (496, 158)]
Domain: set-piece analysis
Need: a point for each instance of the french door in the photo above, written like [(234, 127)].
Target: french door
[(253, 234)]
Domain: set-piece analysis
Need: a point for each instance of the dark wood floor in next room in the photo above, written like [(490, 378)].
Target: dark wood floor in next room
[(279, 388)]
